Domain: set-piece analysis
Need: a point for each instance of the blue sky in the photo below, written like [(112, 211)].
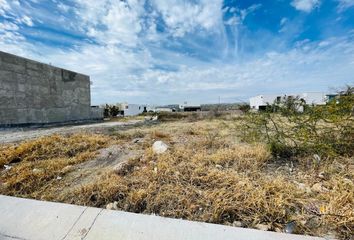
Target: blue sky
[(170, 51)]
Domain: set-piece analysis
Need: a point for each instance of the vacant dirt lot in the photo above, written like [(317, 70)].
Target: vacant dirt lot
[(20, 134), (207, 174)]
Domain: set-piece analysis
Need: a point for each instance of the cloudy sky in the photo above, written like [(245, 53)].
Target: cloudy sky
[(169, 51)]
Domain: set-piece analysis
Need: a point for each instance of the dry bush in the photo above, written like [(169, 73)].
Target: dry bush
[(174, 116), (159, 135), (242, 157), (191, 131), (338, 213), (127, 134)]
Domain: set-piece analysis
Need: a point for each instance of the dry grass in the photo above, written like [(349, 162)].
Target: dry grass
[(206, 175), (54, 146), (44, 161)]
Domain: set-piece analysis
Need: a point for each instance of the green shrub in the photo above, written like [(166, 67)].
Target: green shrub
[(324, 130)]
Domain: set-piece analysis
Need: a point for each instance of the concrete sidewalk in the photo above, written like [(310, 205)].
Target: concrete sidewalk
[(36, 220)]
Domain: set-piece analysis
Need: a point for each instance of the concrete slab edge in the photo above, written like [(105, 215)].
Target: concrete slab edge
[(35, 220)]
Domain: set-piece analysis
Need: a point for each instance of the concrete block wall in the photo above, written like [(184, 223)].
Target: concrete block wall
[(37, 93)]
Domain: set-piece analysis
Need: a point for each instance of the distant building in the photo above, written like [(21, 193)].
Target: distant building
[(132, 109), (188, 107), (163, 109), (261, 102)]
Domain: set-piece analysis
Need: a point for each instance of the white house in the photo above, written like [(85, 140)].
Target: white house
[(132, 109), (190, 107), (260, 102)]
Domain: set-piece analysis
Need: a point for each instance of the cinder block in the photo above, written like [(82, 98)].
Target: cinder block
[(22, 116), (6, 75), (20, 78), (57, 114), (33, 73), (21, 87), (10, 115), (7, 100), (20, 100), (34, 65), (36, 116), (9, 58), (9, 86), (17, 68), (34, 80)]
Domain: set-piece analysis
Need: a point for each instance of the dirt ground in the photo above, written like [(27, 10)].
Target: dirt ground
[(207, 174), (19, 134)]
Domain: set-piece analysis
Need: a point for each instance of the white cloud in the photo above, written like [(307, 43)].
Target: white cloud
[(27, 20), (344, 5), (8, 26), (63, 7), (283, 21), (239, 15), (112, 22), (247, 11), (124, 67), (305, 5), (182, 17), (4, 7)]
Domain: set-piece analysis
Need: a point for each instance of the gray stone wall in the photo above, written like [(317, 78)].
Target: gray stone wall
[(37, 93)]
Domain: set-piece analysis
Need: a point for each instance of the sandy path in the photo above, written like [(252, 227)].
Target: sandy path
[(15, 135)]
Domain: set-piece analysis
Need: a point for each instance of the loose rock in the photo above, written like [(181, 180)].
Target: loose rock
[(317, 158), (120, 168), (159, 147), (218, 166), (112, 206), (7, 167), (36, 170), (290, 227), (237, 224), (263, 227), (304, 187), (323, 176), (317, 187), (136, 140)]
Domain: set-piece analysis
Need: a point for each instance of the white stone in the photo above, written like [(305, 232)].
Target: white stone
[(317, 158), (7, 167), (112, 206), (159, 147), (318, 187), (237, 224), (303, 187), (263, 227)]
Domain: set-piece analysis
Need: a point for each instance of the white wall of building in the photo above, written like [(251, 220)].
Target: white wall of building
[(316, 98), (311, 98), (263, 100), (188, 104), (163, 110), (133, 109)]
